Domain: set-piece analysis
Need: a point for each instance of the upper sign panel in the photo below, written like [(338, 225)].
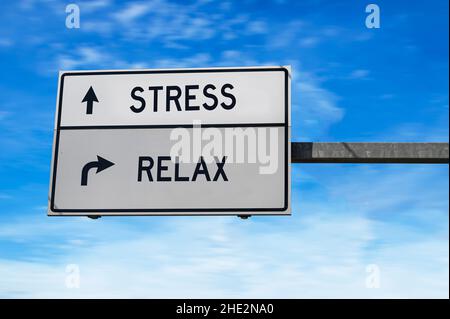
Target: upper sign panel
[(174, 97)]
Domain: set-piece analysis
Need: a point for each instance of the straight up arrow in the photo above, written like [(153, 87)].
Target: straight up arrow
[(89, 98)]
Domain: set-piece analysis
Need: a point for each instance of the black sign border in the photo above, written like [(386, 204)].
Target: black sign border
[(176, 211)]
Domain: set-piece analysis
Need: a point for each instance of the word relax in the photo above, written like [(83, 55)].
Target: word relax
[(147, 163)]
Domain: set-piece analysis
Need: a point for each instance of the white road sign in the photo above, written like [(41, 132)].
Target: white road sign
[(172, 142)]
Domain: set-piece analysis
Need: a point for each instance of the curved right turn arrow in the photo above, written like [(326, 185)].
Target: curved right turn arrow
[(101, 164)]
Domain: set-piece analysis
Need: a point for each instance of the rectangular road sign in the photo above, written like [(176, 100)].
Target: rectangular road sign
[(172, 142)]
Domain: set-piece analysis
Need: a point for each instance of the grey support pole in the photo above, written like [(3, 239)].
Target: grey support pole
[(342, 152)]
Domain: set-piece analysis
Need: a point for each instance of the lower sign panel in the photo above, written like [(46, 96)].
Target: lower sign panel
[(163, 171)]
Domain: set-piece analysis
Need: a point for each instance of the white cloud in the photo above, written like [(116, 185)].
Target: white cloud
[(416, 132), (96, 57), (315, 106), (257, 27), (104, 28), (6, 43), (197, 60), (174, 24), (238, 58), (94, 5), (83, 57), (291, 31), (26, 4), (308, 256), (359, 74), (166, 21), (133, 11), (4, 196), (309, 42)]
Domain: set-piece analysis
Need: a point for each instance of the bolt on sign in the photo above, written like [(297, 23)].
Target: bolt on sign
[(172, 142)]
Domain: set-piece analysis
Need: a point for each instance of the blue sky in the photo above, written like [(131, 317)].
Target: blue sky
[(349, 83)]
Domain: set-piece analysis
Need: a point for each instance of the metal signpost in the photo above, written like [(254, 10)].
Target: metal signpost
[(116, 131)]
